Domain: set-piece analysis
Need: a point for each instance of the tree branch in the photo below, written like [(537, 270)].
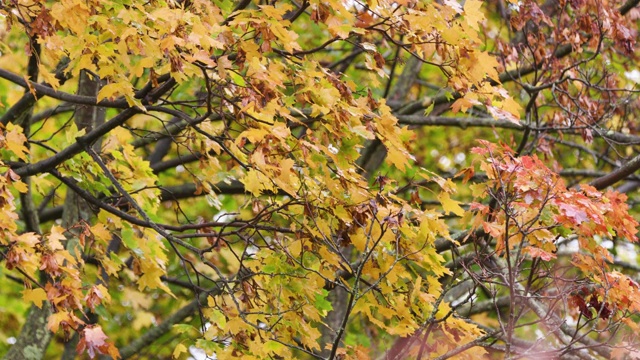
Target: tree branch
[(158, 331), (465, 122), (166, 194), (76, 148), (28, 100), (617, 175), (43, 90)]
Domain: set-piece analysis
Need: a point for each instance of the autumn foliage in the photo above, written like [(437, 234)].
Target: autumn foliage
[(335, 180)]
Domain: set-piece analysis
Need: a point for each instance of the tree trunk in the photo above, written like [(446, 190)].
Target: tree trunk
[(34, 336), (75, 208)]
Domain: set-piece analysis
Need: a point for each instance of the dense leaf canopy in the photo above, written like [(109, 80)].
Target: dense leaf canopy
[(342, 179)]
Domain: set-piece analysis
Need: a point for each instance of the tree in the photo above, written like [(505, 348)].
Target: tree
[(290, 179)]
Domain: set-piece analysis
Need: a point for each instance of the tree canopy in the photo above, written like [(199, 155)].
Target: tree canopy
[(342, 179)]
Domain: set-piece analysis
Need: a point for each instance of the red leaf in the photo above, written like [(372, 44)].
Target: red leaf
[(93, 340), (571, 211), (578, 301), (537, 252)]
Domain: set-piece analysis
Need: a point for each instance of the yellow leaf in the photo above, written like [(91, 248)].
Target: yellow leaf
[(54, 238), (28, 239), (387, 312), (477, 190), (110, 91), (151, 277), (100, 232), (180, 348), (398, 158), (143, 319), (342, 214), (295, 248), (337, 28), (359, 240), (217, 318), (285, 181), (20, 186), (280, 130), (449, 205), (235, 325), (48, 77), (461, 104), (511, 106), (32, 90), (275, 348), (36, 296), (313, 334), (330, 258), (416, 288), (14, 141), (253, 135), (256, 182), (362, 131), (472, 13), (111, 266), (62, 316), (483, 65)]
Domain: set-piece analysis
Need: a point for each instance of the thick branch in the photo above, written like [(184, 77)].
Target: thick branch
[(630, 4), (166, 194), (465, 122), (461, 122), (622, 172), (42, 90), (375, 152), (27, 101), (75, 148), (75, 208), (89, 138)]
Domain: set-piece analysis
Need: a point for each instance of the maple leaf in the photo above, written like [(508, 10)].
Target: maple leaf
[(574, 213), (65, 319), (500, 114), (179, 350), (37, 296), (472, 13), (449, 205), (462, 104), (256, 182), (14, 140), (53, 240), (151, 277), (539, 253), (50, 78), (94, 341), (97, 295)]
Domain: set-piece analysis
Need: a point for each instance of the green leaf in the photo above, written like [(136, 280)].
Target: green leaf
[(429, 109), (321, 302)]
